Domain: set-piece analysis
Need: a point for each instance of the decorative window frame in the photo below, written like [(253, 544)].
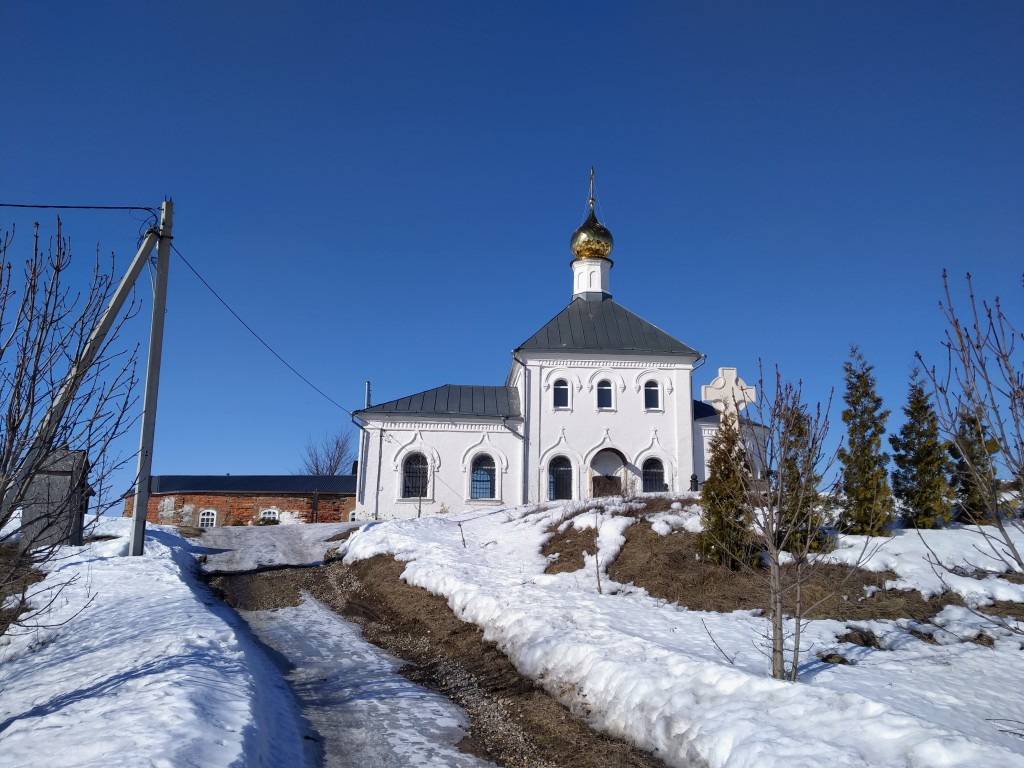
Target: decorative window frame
[(665, 388), (484, 445), (572, 379), (618, 386), (560, 448), (668, 465), (207, 511), (416, 444), (270, 513)]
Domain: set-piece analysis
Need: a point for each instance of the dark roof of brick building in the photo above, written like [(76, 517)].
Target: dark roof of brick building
[(344, 485)]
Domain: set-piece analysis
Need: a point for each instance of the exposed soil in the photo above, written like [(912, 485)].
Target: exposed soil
[(668, 568), (512, 722), (17, 574)]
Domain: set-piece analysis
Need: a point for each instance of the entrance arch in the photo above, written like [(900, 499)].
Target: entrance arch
[(608, 470)]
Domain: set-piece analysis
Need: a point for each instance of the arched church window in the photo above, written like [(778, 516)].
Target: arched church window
[(561, 394), (208, 518), (604, 394), (654, 476), (414, 476), (559, 478), (652, 396), (482, 483)]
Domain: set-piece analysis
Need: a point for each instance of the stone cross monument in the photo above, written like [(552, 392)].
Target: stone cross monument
[(728, 394)]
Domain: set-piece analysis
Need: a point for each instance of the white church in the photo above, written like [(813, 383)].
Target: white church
[(598, 402)]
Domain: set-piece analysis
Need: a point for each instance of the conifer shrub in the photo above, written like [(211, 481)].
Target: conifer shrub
[(725, 508), (921, 479), (974, 475), (867, 506)]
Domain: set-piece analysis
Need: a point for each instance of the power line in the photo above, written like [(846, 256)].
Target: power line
[(259, 338), (83, 207)]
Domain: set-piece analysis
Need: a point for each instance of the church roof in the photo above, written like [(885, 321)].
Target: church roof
[(456, 400), (603, 325), (270, 484)]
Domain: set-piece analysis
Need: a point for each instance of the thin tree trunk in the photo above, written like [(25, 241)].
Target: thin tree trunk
[(798, 613), (778, 660)]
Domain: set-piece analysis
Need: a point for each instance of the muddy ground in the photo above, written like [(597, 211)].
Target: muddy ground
[(512, 722)]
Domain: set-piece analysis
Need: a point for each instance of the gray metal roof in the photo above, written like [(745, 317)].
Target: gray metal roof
[(456, 400), (602, 325), (702, 410), (270, 484)]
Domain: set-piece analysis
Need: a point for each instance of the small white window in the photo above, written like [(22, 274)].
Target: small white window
[(270, 514), (208, 518), (604, 394)]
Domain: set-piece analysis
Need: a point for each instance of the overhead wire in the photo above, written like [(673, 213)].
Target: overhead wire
[(290, 367), (255, 335), (154, 215)]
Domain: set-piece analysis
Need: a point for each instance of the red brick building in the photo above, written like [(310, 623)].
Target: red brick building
[(206, 501)]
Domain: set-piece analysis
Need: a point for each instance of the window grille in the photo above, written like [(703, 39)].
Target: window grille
[(482, 484), (652, 396), (270, 514), (207, 518), (653, 476), (561, 394), (559, 478), (414, 476), (604, 394)]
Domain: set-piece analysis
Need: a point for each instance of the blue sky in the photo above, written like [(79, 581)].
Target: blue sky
[(386, 191)]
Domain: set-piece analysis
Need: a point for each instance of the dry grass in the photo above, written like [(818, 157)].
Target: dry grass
[(19, 575), (343, 535), (668, 568)]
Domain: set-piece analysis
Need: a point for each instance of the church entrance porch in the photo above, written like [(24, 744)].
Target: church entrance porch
[(607, 469)]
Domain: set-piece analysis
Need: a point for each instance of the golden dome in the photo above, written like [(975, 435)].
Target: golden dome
[(592, 240)]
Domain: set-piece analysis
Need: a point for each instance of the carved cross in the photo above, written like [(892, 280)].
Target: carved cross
[(728, 394)]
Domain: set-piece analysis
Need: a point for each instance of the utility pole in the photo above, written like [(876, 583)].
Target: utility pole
[(156, 341), (42, 442)]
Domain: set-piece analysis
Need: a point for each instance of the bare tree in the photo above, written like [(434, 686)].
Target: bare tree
[(786, 444), (984, 378), (53, 460), (333, 454)]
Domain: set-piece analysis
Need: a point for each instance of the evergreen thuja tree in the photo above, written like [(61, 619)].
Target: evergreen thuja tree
[(866, 498), (725, 511), (974, 480), (920, 481), (801, 526)]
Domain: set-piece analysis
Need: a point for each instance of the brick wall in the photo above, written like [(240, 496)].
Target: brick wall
[(243, 509)]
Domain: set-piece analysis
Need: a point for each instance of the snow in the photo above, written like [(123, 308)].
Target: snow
[(141, 665), (365, 712), (266, 546), (647, 671)]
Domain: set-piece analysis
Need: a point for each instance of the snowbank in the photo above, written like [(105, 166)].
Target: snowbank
[(140, 665), (648, 672)]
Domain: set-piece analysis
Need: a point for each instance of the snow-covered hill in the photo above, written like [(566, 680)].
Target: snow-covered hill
[(155, 671)]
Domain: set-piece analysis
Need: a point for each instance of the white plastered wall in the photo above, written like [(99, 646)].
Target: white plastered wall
[(449, 445), (582, 430)]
